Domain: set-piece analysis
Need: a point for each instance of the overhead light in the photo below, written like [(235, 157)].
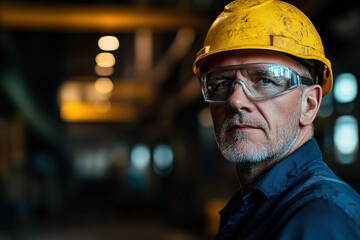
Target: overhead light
[(345, 89), (104, 71), (346, 139), (108, 43), (104, 85), (105, 60), (163, 159), (140, 157)]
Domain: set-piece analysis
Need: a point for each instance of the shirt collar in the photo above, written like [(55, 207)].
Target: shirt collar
[(284, 172)]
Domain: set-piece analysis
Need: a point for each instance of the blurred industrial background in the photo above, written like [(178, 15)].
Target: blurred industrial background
[(104, 133)]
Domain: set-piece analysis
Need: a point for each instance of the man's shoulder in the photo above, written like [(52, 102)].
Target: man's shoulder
[(323, 218), (325, 199), (331, 193), (325, 206)]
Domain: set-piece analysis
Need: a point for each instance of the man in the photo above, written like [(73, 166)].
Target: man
[(264, 72)]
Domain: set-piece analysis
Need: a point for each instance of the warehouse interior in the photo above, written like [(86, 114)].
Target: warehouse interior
[(103, 130)]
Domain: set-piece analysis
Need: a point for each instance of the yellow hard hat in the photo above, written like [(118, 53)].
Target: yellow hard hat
[(268, 25)]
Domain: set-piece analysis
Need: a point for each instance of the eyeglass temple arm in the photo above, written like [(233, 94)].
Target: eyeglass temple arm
[(306, 81)]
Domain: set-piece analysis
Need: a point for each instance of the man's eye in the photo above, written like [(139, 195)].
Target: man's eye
[(265, 81), (223, 84)]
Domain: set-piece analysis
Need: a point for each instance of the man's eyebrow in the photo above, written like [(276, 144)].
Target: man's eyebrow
[(227, 74), (257, 71)]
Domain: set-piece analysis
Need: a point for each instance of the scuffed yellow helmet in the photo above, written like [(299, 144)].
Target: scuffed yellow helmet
[(268, 25)]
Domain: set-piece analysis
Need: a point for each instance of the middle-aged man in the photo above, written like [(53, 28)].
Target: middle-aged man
[(264, 72)]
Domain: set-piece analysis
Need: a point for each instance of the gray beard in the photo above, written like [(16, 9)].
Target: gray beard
[(246, 159)]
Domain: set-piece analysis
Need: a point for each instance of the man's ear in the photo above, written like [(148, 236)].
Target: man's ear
[(311, 101)]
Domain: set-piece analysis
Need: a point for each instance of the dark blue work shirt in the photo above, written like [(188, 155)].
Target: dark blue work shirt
[(299, 198)]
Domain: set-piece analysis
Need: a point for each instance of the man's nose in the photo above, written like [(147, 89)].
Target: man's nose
[(239, 99)]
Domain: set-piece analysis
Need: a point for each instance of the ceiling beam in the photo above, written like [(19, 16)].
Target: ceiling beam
[(95, 18)]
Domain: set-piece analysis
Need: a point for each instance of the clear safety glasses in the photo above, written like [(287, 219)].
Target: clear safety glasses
[(259, 80)]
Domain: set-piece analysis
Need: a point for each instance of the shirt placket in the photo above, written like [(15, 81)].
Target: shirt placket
[(239, 211)]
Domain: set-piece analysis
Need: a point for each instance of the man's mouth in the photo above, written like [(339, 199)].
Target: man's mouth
[(242, 127)]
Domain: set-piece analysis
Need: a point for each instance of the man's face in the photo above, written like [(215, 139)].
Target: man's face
[(249, 131)]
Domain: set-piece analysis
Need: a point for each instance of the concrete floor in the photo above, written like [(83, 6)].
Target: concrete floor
[(101, 230)]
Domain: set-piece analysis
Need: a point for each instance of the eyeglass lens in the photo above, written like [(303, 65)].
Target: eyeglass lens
[(261, 80)]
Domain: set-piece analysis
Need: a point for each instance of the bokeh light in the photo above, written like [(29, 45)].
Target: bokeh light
[(104, 71), (104, 85), (345, 89), (346, 139), (108, 43), (163, 159), (105, 60), (140, 157)]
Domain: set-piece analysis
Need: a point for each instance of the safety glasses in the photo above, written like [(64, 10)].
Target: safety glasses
[(259, 80)]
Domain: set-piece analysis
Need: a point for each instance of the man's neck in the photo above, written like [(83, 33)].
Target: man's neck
[(248, 173)]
